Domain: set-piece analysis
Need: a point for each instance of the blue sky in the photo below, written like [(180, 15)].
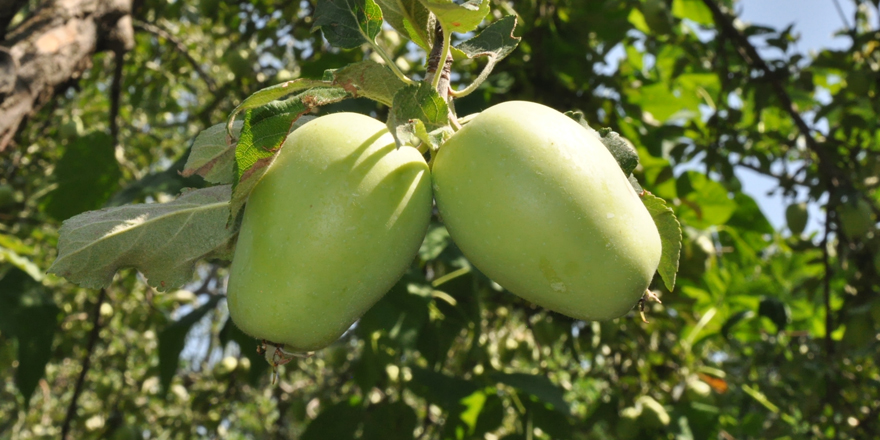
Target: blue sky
[(816, 21)]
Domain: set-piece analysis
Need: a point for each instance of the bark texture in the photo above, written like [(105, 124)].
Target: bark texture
[(51, 49)]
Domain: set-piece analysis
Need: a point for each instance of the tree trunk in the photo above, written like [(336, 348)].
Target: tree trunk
[(53, 47)]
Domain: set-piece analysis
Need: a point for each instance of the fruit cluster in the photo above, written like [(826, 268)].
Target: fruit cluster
[(532, 198)]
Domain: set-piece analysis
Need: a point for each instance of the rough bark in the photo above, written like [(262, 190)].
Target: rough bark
[(52, 48)]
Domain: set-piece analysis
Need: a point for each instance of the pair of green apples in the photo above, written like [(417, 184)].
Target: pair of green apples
[(533, 199)]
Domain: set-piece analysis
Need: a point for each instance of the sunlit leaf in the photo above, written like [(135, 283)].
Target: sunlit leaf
[(418, 101), (348, 23), (670, 237), (368, 79), (458, 17), (162, 240), (28, 314), (212, 157), (411, 18), (262, 135)]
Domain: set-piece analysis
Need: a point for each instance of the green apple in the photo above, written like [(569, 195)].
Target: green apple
[(332, 225), (796, 216), (538, 204), (856, 218)]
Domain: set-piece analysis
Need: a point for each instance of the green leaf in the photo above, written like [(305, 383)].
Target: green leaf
[(435, 242), (411, 19), (416, 101), (10, 256), (735, 319), (440, 389), (694, 10), (399, 314), (87, 175), (491, 416), (162, 240), (338, 421), (262, 135), (389, 421), (173, 337), (473, 408), (458, 17), (637, 19), (704, 202), (269, 94), (28, 314), (670, 237), (557, 424), (212, 156), (538, 386), (347, 24), (495, 42), (370, 80)]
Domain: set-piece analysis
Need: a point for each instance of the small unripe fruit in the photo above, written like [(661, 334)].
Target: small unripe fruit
[(856, 219), (796, 216), (225, 366)]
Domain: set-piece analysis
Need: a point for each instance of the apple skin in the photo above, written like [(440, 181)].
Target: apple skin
[(333, 224), (539, 205), (856, 218), (796, 216)]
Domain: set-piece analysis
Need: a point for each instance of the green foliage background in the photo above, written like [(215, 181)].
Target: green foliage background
[(766, 335)]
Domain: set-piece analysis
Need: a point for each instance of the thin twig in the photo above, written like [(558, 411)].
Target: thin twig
[(826, 293), (115, 93), (750, 55), (159, 32), (842, 16), (785, 178), (86, 363)]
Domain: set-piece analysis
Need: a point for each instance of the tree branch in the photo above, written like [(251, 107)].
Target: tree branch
[(115, 92), (826, 294), (750, 55), (52, 48), (162, 33), (86, 363), (434, 63)]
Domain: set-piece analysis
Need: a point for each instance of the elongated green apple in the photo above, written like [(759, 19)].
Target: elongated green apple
[(332, 225), (539, 205)]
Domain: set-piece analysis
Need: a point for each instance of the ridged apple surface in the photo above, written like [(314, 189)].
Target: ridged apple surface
[(329, 229), (539, 205)]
